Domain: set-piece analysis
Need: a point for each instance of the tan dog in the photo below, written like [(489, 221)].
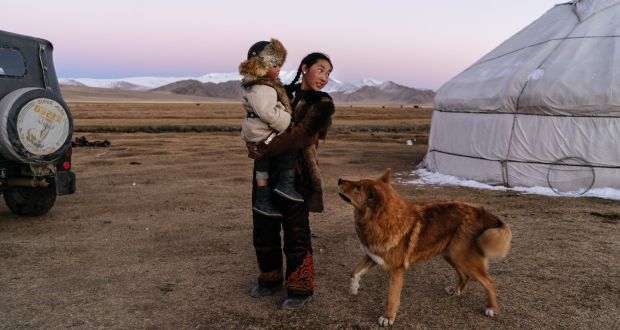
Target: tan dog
[(396, 233)]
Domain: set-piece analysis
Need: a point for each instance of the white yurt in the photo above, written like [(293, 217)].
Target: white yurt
[(540, 110)]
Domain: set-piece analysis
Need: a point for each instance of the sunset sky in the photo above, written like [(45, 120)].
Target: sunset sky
[(416, 43)]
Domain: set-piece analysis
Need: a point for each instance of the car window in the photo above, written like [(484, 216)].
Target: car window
[(12, 63)]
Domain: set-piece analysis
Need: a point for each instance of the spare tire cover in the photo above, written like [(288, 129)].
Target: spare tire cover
[(35, 126)]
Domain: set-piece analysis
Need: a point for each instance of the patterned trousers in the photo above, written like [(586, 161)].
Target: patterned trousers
[(299, 275)]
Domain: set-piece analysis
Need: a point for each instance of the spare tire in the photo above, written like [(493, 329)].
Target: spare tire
[(35, 126)]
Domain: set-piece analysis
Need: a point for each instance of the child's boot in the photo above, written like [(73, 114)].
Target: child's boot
[(286, 186), (263, 203)]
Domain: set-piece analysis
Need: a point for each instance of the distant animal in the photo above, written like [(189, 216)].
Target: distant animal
[(396, 233)]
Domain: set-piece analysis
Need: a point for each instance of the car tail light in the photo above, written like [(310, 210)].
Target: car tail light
[(66, 166)]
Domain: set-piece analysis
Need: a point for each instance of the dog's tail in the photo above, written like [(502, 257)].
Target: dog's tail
[(495, 242)]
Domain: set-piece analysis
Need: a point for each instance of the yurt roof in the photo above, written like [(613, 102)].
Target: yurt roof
[(566, 63)]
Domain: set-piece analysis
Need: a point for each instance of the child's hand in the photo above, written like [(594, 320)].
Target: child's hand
[(253, 150)]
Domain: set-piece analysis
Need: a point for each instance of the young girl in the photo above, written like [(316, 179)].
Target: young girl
[(267, 114), (312, 113)]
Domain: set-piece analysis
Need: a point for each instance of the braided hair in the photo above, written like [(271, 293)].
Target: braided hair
[(309, 61)]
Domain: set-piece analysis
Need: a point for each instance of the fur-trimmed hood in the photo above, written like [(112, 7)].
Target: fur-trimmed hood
[(257, 65)]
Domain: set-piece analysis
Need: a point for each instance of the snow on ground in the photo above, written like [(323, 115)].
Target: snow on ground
[(425, 177)]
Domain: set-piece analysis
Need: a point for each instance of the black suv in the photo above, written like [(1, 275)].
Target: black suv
[(35, 127)]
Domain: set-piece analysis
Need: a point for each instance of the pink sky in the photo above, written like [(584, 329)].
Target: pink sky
[(416, 43)]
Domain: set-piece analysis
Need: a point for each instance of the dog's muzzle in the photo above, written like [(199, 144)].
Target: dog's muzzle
[(345, 197), (342, 194)]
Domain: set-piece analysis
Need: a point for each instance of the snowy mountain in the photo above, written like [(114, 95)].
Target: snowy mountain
[(385, 92), (147, 83), (226, 85)]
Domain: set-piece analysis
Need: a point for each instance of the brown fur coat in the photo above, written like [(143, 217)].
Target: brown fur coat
[(311, 117)]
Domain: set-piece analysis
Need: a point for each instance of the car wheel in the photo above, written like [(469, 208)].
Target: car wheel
[(30, 201)]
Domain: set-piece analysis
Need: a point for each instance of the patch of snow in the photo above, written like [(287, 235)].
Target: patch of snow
[(69, 82), (338, 86), (536, 74), (369, 82), (286, 77), (387, 85), (432, 178), (218, 77)]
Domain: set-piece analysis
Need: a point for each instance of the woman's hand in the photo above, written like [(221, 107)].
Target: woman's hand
[(253, 150)]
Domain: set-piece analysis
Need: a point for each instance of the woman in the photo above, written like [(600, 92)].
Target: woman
[(312, 112)]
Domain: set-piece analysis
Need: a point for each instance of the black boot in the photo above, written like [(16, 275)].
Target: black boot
[(286, 186), (292, 303), (263, 291), (263, 204)]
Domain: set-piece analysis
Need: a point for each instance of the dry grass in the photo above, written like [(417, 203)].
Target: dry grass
[(198, 117), (101, 95), (159, 236)]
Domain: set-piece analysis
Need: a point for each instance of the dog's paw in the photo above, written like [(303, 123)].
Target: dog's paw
[(384, 321), (355, 285), (489, 312), (451, 291)]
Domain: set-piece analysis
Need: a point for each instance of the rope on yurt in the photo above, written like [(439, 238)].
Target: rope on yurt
[(514, 118), (558, 163), (525, 161), (504, 171), (544, 42), (524, 114)]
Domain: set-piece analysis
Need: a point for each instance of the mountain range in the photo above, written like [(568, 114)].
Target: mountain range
[(226, 86)]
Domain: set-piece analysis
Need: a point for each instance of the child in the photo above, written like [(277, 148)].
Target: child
[(267, 114)]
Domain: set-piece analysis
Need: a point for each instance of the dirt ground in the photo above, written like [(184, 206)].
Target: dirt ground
[(158, 236)]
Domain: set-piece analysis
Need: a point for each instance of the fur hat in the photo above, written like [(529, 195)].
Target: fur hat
[(262, 56)]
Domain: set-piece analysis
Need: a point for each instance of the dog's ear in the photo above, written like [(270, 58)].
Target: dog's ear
[(387, 176), (371, 196)]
